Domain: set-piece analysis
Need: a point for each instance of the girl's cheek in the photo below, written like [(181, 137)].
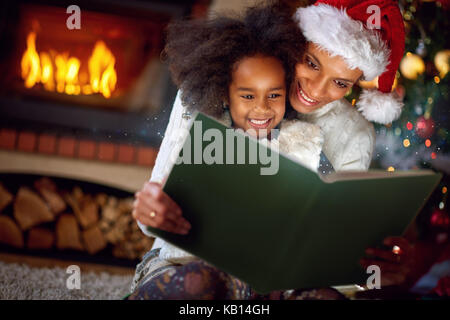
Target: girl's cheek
[(280, 106)]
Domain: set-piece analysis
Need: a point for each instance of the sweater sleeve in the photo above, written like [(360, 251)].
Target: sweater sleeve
[(357, 152), (301, 140), (349, 139), (163, 161)]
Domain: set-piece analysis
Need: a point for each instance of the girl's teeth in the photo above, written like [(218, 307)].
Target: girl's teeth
[(305, 97), (259, 122)]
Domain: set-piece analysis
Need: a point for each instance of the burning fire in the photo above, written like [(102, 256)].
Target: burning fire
[(62, 73)]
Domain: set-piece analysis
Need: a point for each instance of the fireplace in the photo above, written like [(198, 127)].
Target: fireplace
[(103, 64), (99, 92), (111, 63), (82, 109)]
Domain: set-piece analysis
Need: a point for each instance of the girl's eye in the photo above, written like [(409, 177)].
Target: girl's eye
[(341, 84), (274, 95), (311, 64), (248, 97)]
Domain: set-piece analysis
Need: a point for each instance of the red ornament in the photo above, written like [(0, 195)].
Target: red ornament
[(424, 127), (440, 218), (409, 126)]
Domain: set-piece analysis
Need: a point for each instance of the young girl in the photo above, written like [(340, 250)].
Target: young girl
[(237, 71)]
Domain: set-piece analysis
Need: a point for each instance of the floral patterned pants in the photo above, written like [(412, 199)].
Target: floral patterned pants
[(198, 280)]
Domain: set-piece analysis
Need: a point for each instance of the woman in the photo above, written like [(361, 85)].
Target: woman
[(322, 79), (340, 52)]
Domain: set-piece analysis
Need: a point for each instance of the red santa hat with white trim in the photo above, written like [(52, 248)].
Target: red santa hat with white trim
[(349, 28)]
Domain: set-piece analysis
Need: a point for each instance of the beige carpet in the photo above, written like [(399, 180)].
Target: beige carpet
[(29, 283)]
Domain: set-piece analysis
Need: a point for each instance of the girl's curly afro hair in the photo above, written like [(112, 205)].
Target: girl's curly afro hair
[(202, 53)]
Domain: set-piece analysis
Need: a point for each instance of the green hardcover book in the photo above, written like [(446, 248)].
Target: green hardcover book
[(289, 227)]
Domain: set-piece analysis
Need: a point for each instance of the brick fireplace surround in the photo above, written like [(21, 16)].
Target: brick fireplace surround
[(46, 135), (115, 164)]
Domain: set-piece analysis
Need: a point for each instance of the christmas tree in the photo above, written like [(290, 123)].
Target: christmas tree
[(420, 137), (421, 134)]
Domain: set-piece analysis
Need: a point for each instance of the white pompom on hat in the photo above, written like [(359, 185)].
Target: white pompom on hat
[(340, 27)]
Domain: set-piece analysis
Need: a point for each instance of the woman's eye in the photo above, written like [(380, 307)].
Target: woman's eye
[(311, 64), (341, 85), (247, 96)]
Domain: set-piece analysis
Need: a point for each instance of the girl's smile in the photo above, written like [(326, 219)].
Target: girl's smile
[(260, 124)]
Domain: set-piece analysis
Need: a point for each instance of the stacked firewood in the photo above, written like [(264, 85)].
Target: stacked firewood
[(45, 217)]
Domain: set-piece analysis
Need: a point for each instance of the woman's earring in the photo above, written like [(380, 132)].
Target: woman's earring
[(225, 106)]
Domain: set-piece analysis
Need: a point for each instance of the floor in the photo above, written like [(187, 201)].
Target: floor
[(24, 278)]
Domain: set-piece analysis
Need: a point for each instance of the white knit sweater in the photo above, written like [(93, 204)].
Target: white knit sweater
[(347, 140)]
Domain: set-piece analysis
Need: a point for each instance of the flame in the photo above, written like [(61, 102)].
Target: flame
[(47, 71), (63, 73), (72, 68), (31, 69), (61, 67), (101, 68)]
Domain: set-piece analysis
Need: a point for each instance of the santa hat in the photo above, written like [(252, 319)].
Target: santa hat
[(341, 27)]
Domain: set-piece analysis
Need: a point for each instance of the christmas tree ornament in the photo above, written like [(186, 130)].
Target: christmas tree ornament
[(409, 125), (441, 62), (412, 66), (424, 127), (369, 84), (421, 49), (418, 109), (440, 219)]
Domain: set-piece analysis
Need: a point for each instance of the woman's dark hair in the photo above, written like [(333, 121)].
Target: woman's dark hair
[(202, 53)]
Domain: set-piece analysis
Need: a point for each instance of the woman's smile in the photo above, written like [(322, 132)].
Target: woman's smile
[(320, 79), (304, 98)]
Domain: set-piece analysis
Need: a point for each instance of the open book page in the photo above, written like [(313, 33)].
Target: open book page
[(372, 174)]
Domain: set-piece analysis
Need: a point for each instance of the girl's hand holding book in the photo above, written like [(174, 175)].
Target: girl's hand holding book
[(153, 207)]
